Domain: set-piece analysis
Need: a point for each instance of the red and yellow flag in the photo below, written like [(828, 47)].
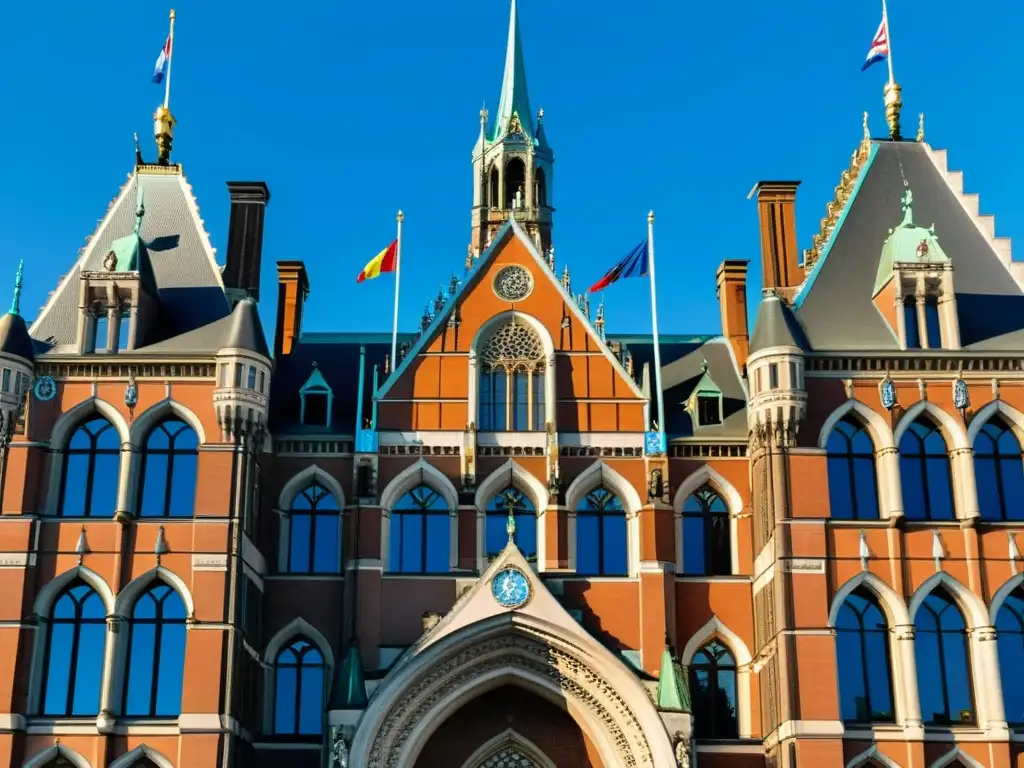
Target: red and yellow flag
[(384, 261)]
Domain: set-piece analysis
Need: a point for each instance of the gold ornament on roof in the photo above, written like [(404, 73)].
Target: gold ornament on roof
[(920, 126), (867, 131), (514, 126), (893, 106)]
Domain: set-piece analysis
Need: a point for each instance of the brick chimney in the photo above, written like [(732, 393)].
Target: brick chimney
[(776, 211), (245, 237), (292, 290), (732, 299)]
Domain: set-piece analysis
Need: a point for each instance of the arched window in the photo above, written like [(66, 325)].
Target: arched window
[(494, 198), (713, 693), (865, 669), (707, 548), (314, 532), (515, 502), (542, 187), (925, 472), (509, 757), (999, 469), (156, 654), (92, 468), (602, 547), (511, 396), (73, 663), (1010, 639), (852, 487), (420, 534), (170, 463), (943, 661), (515, 180), (299, 689)]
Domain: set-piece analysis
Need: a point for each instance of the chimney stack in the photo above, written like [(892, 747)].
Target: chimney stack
[(776, 211), (732, 299), (292, 290), (245, 238)]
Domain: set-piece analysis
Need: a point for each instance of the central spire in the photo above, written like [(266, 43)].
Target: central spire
[(515, 98)]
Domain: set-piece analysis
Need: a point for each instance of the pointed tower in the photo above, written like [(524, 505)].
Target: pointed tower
[(512, 162)]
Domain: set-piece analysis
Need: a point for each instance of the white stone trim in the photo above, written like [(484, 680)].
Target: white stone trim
[(510, 473), (872, 754), (510, 738), (419, 473), (970, 605), (891, 603), (1001, 594), (144, 423), (952, 756), (951, 429), (715, 629), (296, 485), (600, 474), (295, 628), (142, 751), (1014, 419), (881, 433), (706, 475), (57, 750), (125, 600)]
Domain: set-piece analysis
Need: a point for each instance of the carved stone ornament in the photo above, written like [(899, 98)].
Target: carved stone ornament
[(513, 283), (110, 262), (656, 488), (682, 746), (339, 750)]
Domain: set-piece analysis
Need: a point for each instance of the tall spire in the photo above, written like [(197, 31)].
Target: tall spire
[(16, 301), (515, 98)]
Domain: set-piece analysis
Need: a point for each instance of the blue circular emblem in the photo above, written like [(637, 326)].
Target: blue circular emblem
[(45, 388), (510, 588)]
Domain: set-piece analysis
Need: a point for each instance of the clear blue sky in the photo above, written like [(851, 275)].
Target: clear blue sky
[(350, 111)]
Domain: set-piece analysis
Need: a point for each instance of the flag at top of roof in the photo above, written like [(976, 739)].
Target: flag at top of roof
[(162, 62), (879, 44)]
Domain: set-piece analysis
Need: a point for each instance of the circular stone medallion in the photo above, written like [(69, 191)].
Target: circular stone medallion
[(45, 388), (510, 588), (513, 283)]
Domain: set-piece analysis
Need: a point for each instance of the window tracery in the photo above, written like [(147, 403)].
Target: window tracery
[(512, 380), (508, 757)]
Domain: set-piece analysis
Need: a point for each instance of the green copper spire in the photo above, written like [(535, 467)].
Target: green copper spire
[(16, 301), (515, 99), (349, 688), (908, 243), (140, 211), (672, 692)]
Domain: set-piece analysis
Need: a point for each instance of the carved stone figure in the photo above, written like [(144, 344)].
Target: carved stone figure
[(656, 488), (339, 750), (682, 751)]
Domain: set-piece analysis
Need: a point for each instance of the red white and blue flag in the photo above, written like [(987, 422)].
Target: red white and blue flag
[(879, 45), (163, 62), (634, 265)]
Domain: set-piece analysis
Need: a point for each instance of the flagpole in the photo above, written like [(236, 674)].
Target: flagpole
[(398, 279), (654, 323), (888, 41), (170, 58)]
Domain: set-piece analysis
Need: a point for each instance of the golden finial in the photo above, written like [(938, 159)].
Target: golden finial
[(400, 217), (867, 131), (163, 128), (650, 217), (483, 114), (920, 126), (172, 14), (540, 115), (893, 106)]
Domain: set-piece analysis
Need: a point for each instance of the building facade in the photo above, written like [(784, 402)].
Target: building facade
[(220, 551)]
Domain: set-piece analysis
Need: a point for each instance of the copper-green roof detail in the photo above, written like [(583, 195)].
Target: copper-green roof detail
[(672, 691), (908, 244), (16, 299), (349, 688), (515, 98), (316, 382)]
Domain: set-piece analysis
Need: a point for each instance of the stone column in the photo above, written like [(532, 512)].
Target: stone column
[(965, 487), (887, 470), (905, 676), (922, 320), (113, 676), (988, 686)]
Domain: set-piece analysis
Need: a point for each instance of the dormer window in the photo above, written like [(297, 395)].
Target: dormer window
[(101, 331), (317, 400), (705, 402), (709, 410)]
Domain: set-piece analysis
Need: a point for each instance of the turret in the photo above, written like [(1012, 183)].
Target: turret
[(16, 364), (775, 371), (242, 396)]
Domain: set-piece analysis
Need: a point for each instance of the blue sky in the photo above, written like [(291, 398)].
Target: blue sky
[(351, 111)]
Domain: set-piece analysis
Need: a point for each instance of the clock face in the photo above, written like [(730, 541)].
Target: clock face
[(45, 388), (510, 588)]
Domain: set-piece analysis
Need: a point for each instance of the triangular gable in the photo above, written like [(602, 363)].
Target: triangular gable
[(316, 382), (508, 230)]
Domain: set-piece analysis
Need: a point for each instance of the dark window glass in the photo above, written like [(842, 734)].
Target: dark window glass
[(925, 473), (315, 413), (707, 547), (92, 466), (865, 671), (170, 463), (1010, 637), (7, 380), (931, 322), (238, 374), (123, 329), (773, 376), (520, 401), (852, 486), (102, 333), (713, 692), (420, 535), (315, 532), (709, 410), (602, 542), (76, 637), (252, 377), (156, 654), (943, 661), (1000, 472), (263, 382), (511, 500), (299, 689), (539, 416), (913, 335), (494, 401)]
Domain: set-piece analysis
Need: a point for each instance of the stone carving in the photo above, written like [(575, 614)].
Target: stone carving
[(513, 283), (339, 750), (682, 747), (656, 488), (509, 757)]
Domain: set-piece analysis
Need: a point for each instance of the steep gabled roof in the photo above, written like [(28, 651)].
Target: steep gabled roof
[(776, 326), (241, 329), (835, 305)]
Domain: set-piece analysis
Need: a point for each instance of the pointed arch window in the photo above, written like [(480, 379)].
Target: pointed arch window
[(509, 757), (925, 472), (713, 692), (943, 661), (170, 464), (156, 654), (420, 533), (707, 544), (511, 500), (999, 468), (865, 674), (299, 687), (511, 393), (314, 532), (852, 483), (1010, 639), (73, 662), (92, 468), (602, 547)]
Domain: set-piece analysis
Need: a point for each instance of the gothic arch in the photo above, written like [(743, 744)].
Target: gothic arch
[(874, 754), (44, 599), (509, 738), (141, 752), (1014, 419), (57, 750), (881, 433), (125, 600), (300, 481), (597, 475), (420, 473), (73, 418), (706, 475), (892, 604), (295, 628), (149, 418), (969, 603), (952, 430), (715, 629), (1001, 594), (510, 473), (954, 755)]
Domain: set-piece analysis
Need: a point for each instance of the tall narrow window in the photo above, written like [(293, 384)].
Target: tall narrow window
[(773, 376), (511, 501), (73, 664), (925, 472), (999, 468), (511, 382), (1010, 637), (713, 689), (865, 672), (156, 654), (420, 534), (912, 334), (707, 545), (101, 331), (539, 419), (314, 535), (520, 401), (252, 377), (602, 547), (169, 466), (92, 467), (943, 661), (124, 327), (931, 322), (852, 485), (299, 689)]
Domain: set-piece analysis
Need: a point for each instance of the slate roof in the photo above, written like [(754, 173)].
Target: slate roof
[(776, 326), (835, 306), (186, 273), (241, 329), (14, 338)]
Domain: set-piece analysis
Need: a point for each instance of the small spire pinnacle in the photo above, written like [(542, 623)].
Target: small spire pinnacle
[(138, 152), (140, 211), (893, 107), (920, 126), (16, 300), (650, 216), (867, 131)]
